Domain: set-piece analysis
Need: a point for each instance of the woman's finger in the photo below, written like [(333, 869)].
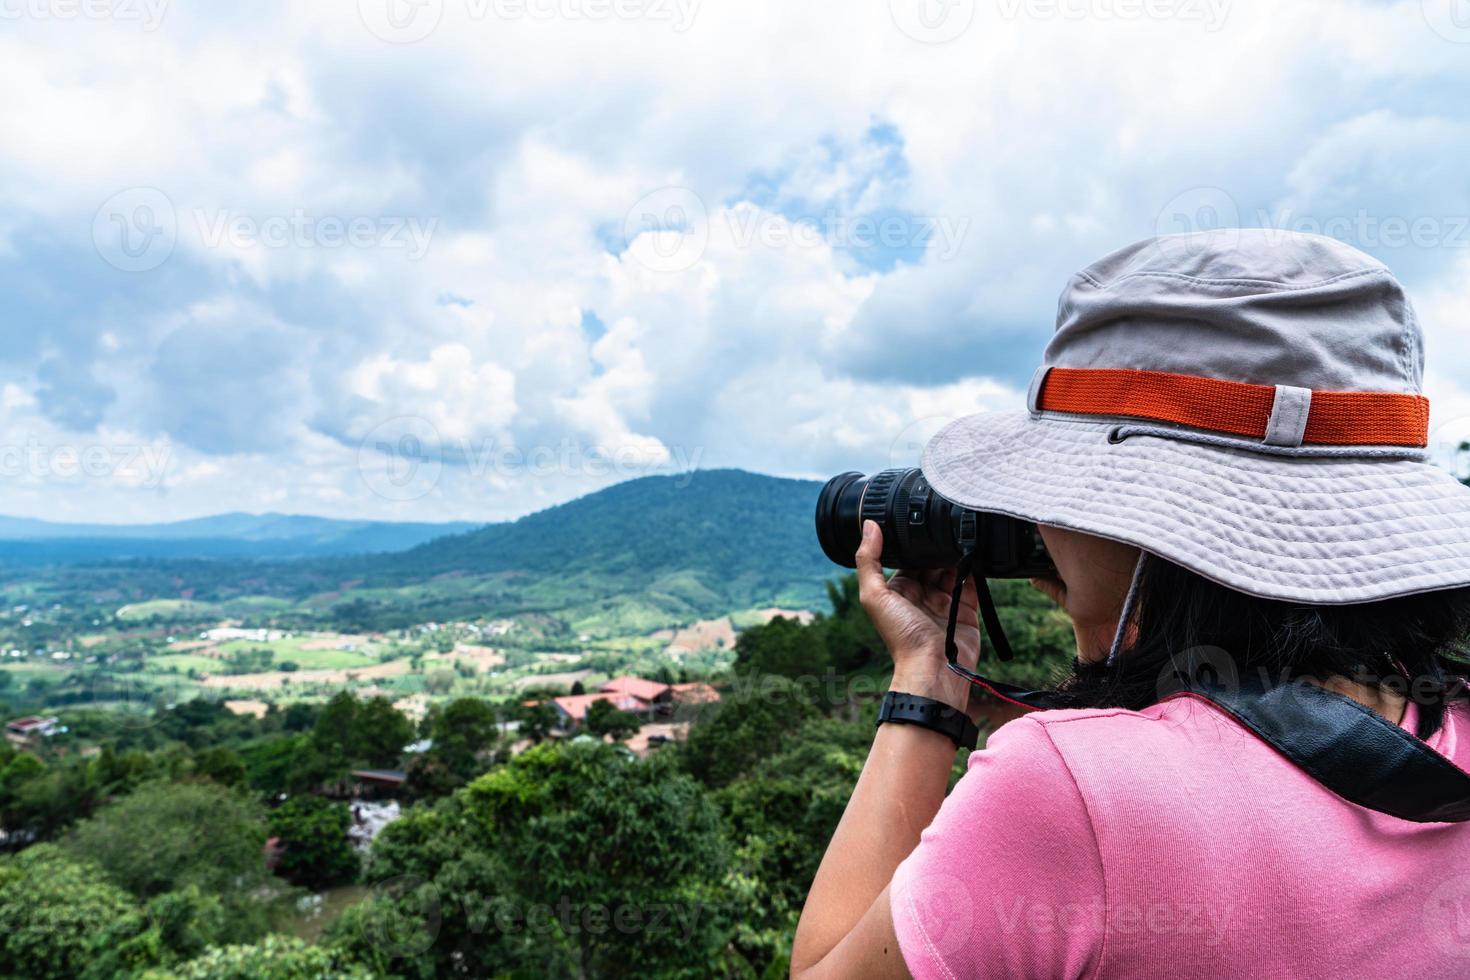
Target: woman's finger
[(871, 582)]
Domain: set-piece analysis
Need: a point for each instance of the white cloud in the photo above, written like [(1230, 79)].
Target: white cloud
[(523, 148)]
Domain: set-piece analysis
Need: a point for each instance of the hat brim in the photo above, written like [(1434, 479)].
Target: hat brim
[(1302, 529)]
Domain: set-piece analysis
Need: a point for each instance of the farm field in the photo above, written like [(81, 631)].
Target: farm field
[(155, 653)]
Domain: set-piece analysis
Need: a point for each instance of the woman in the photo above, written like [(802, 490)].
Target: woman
[(1224, 451)]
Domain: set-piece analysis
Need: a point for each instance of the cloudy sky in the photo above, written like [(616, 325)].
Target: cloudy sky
[(461, 259)]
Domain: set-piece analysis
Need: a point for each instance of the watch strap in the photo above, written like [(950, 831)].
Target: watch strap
[(914, 709)]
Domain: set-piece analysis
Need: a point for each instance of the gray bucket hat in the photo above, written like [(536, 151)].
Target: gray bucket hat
[(1245, 403)]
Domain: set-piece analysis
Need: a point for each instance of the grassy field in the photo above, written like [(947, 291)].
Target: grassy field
[(306, 652), (160, 651), (166, 609), (184, 662)]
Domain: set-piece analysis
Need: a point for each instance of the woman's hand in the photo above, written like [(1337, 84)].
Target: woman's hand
[(911, 612)]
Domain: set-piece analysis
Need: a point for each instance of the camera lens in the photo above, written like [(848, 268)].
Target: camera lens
[(922, 529)]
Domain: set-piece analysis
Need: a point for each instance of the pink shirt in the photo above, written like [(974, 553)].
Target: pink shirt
[(1171, 842)]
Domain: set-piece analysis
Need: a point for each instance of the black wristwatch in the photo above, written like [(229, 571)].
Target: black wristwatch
[(912, 709)]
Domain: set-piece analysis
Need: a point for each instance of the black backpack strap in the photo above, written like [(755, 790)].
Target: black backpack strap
[(1355, 752)]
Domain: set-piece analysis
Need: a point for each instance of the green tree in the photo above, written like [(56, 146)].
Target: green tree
[(349, 733), (781, 815), (605, 719), (380, 731), (164, 837), (782, 646), (463, 733), (573, 859), (220, 765), (754, 721), (60, 918), (41, 800), (315, 849), (537, 721), (288, 764), (273, 958)]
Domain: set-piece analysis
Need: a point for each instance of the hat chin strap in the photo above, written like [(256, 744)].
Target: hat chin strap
[(1130, 605), (971, 567)]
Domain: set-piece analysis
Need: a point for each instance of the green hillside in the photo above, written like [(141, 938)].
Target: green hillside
[(663, 548)]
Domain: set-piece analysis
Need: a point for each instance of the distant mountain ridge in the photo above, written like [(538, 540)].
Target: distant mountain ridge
[(232, 535), (649, 552)]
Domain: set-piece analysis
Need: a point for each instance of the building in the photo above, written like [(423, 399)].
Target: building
[(373, 783), (650, 692), (635, 695), (571, 710), (24, 732)]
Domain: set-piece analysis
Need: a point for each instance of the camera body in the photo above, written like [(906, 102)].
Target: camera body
[(922, 529)]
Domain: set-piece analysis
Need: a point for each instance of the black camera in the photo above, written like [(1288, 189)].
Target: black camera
[(921, 529)]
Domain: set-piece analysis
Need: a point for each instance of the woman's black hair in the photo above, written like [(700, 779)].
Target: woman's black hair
[(1189, 628)]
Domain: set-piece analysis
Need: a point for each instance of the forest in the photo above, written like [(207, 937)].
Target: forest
[(186, 846)]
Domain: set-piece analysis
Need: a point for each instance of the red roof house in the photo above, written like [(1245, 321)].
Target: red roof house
[(651, 691)]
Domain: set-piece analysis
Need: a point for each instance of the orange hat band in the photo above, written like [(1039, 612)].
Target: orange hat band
[(1332, 418)]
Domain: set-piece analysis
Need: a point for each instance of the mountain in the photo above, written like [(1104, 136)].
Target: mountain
[(719, 538), (234, 535), (632, 557)]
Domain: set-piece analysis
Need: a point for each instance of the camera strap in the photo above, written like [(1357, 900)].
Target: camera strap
[(1349, 749)]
